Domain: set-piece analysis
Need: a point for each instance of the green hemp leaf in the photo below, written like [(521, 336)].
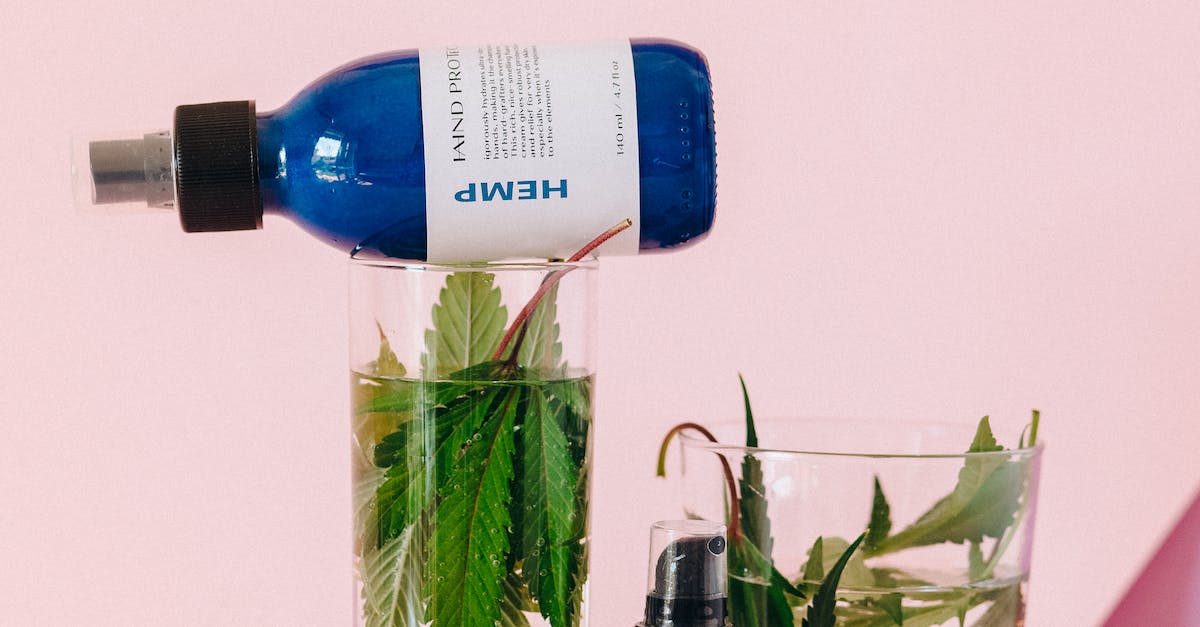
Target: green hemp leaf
[(755, 523), (392, 576), (540, 348), (471, 540), (821, 612), (759, 595), (549, 509), (880, 524), (758, 592), (468, 322), (982, 504), (387, 364)]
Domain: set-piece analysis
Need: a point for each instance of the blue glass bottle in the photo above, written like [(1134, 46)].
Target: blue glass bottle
[(344, 158)]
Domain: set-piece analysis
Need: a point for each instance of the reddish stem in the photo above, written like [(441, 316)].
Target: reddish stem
[(520, 322), (604, 237), (735, 517)]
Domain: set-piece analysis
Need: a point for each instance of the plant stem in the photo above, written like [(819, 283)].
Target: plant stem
[(600, 239), (521, 322), (735, 519)]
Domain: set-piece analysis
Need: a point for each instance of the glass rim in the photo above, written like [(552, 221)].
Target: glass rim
[(689, 525), (693, 439), (509, 265)]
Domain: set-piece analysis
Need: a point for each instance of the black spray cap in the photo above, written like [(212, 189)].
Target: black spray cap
[(216, 166), (687, 583)]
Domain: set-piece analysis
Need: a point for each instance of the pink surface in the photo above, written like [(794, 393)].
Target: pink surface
[(1168, 590), (935, 209)]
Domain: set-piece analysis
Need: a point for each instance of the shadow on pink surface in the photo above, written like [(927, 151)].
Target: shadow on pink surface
[(1168, 590)]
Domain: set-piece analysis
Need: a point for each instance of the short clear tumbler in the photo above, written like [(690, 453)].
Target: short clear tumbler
[(948, 533)]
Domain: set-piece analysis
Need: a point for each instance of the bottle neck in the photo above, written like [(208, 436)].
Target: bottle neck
[(272, 163)]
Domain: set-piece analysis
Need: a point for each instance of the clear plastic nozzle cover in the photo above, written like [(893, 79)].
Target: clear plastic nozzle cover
[(687, 560), (124, 175), (687, 586)]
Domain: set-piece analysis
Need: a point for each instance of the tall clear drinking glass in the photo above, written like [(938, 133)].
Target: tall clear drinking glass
[(471, 401), (949, 533)]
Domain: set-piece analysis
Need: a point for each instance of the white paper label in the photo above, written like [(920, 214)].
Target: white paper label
[(530, 150)]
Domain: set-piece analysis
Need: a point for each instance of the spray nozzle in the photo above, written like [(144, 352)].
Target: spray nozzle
[(125, 175), (687, 583), (206, 168)]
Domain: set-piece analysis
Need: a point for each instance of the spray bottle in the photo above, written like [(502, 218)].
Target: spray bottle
[(450, 154)]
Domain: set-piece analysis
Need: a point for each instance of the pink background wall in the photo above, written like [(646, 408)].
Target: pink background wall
[(935, 210)]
